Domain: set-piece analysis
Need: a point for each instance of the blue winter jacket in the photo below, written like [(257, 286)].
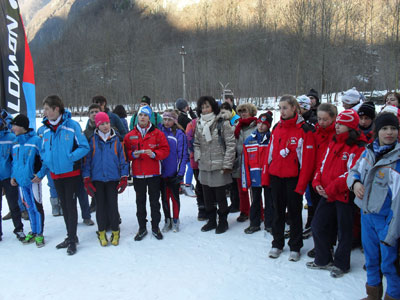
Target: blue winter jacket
[(105, 161), (26, 158), (175, 163), (62, 150), (6, 143)]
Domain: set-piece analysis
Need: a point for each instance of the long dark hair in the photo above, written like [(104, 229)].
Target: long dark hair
[(353, 139), (120, 111), (202, 100)]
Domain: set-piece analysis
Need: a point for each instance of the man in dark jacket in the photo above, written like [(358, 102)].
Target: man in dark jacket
[(184, 112)]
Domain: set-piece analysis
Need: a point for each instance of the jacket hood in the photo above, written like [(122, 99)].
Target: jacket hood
[(22, 138)]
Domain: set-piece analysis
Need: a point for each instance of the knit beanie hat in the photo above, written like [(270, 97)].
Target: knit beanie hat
[(101, 118), (181, 103), (265, 118), (351, 96), (145, 99), (21, 121), (349, 117), (313, 93), (170, 115), (367, 109), (145, 110), (392, 109), (386, 119), (304, 102)]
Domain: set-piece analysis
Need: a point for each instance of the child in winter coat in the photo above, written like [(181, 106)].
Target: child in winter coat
[(173, 168), (11, 192), (366, 112), (105, 174), (288, 170), (254, 154), (335, 204), (25, 164), (324, 132), (375, 182)]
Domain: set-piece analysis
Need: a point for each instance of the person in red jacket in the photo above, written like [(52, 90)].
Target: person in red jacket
[(324, 132), (289, 168), (336, 200), (146, 146)]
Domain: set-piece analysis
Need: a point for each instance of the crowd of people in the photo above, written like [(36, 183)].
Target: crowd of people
[(346, 166)]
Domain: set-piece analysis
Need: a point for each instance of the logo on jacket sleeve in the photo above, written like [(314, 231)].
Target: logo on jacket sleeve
[(345, 156)]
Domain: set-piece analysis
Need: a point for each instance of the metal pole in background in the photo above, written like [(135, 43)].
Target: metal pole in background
[(183, 53)]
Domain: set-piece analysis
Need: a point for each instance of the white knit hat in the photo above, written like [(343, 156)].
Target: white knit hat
[(304, 102), (392, 109), (351, 96)]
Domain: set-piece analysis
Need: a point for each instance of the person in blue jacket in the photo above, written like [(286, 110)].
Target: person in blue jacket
[(11, 192), (375, 180), (63, 146), (173, 168), (26, 162), (105, 174)]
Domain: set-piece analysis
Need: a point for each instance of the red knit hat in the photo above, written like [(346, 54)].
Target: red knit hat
[(349, 117), (101, 118)]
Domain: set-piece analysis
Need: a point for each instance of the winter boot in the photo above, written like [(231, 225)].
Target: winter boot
[(242, 218), (39, 239), (55, 207), (141, 234), (175, 225), (71, 250), (20, 235), (29, 238), (101, 235), (115, 238), (167, 226), (373, 292), (202, 215), (187, 189), (222, 224), (157, 233), (64, 244), (212, 221)]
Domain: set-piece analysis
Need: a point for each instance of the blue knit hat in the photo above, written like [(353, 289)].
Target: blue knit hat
[(145, 110)]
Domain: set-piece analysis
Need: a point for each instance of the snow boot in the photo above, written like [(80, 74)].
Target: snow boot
[(39, 239), (307, 233), (373, 292), (55, 207), (29, 238), (175, 225), (157, 233), (101, 235), (222, 224), (115, 238), (252, 229), (202, 215), (187, 190), (212, 222), (20, 235), (242, 218), (140, 234), (167, 226), (71, 250)]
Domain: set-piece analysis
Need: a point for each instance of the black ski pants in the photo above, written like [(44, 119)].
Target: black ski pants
[(107, 204), (11, 193)]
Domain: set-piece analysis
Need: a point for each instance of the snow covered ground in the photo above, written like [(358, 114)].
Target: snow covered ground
[(185, 265)]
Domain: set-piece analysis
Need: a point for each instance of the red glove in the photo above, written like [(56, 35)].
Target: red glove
[(89, 187), (122, 184)]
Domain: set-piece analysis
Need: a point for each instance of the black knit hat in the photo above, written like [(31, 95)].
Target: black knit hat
[(367, 109), (386, 119), (21, 121), (145, 99), (313, 93)]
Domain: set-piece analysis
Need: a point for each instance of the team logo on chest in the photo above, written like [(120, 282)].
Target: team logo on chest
[(293, 140), (380, 175)]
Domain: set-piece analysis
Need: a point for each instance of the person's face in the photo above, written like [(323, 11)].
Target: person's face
[(340, 128), (313, 101), (168, 122), (229, 100), (18, 130), (365, 121), (387, 135), (347, 106), (244, 113), (261, 127), (324, 119), (50, 113), (143, 120), (392, 100), (92, 113), (287, 111), (105, 127), (206, 108)]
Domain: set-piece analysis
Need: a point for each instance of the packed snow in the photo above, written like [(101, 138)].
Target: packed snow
[(186, 265)]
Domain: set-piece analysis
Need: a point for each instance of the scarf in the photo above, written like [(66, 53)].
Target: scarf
[(243, 122), (381, 150), (104, 136), (55, 122), (206, 121)]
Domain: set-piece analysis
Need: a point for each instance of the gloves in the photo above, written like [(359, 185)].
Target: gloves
[(122, 184), (284, 152), (176, 180), (89, 187)]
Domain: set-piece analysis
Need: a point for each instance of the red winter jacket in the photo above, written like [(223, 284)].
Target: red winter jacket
[(322, 136), (332, 172), (291, 153), (154, 140)]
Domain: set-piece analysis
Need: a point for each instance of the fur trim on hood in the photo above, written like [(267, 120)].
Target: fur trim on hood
[(251, 108)]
